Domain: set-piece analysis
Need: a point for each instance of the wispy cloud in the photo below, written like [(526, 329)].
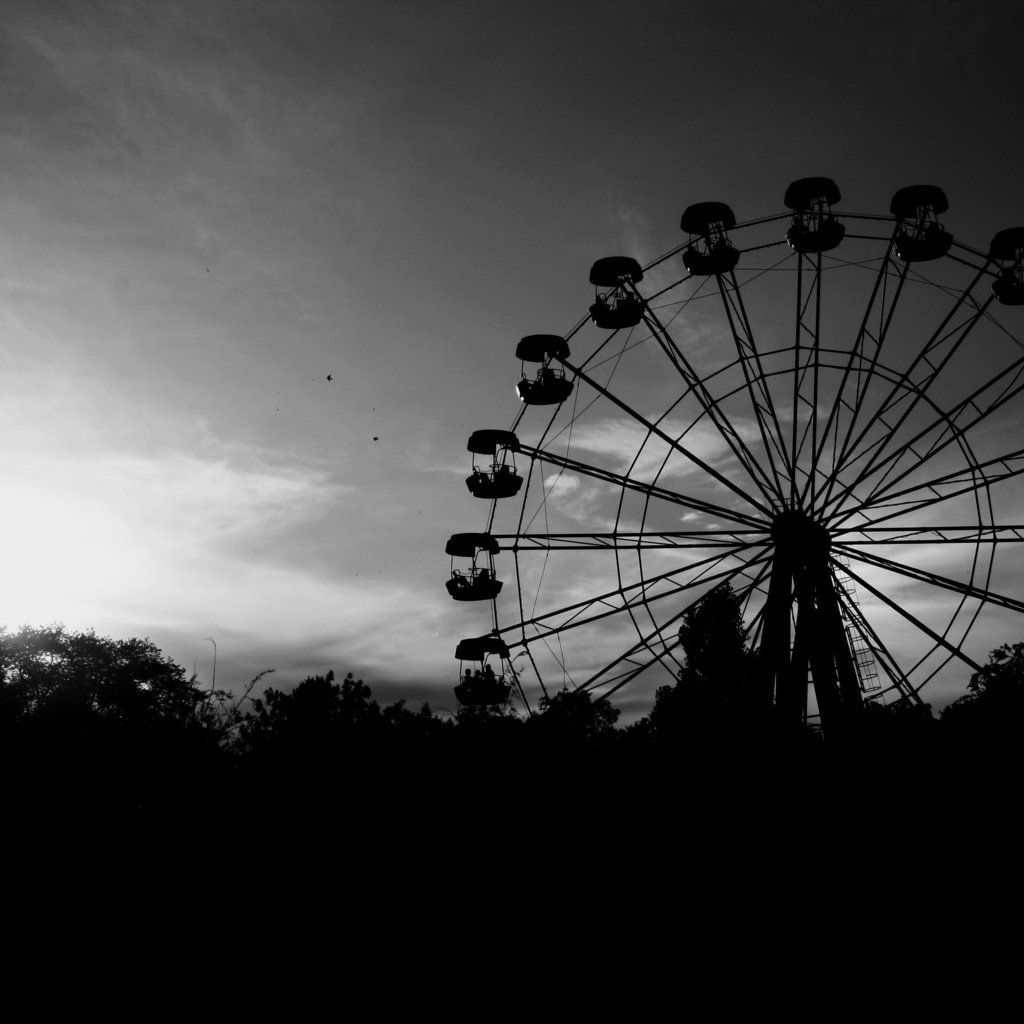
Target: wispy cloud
[(582, 500), (629, 447)]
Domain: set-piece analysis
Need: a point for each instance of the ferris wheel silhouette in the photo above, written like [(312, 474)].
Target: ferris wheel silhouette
[(812, 407)]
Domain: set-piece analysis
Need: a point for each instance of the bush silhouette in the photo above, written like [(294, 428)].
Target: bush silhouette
[(994, 704), (87, 721), (112, 730)]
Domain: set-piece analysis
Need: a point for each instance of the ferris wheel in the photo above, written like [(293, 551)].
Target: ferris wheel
[(812, 407)]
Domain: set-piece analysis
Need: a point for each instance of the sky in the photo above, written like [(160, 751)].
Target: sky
[(263, 267)]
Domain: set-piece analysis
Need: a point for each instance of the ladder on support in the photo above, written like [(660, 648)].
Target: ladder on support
[(863, 655)]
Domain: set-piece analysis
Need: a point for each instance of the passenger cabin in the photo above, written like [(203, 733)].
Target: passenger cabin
[(483, 686), (475, 582), (1007, 249), (920, 236), (814, 228), (616, 304), (709, 250), (550, 385), (501, 480)]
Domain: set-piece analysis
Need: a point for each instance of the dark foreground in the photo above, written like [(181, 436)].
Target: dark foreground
[(108, 741)]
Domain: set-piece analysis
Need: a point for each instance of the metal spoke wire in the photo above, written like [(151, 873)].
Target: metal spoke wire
[(608, 608), (934, 578), (645, 642), (913, 620), (888, 402), (951, 431)]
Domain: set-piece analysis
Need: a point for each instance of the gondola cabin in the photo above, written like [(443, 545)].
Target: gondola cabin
[(1007, 250), (476, 581), (482, 686), (920, 236), (813, 228), (617, 304), (550, 385), (500, 479), (709, 250)]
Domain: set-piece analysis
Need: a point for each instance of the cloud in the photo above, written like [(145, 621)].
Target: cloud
[(131, 518), (183, 546), (562, 486), (628, 446), (134, 524), (587, 502)]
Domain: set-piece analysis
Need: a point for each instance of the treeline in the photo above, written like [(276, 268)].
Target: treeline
[(110, 729)]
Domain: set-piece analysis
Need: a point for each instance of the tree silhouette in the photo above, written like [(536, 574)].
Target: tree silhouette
[(108, 725), (112, 731), (323, 725), (902, 721), (714, 643), (573, 716), (994, 703), (313, 722), (716, 688), (51, 673)]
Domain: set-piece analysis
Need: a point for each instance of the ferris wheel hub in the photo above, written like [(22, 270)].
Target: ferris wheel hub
[(793, 531)]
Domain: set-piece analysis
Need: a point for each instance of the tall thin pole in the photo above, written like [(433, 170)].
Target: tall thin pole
[(213, 685)]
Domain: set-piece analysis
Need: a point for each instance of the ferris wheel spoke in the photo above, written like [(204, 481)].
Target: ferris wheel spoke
[(757, 388), (619, 480), (735, 540), (962, 481), (988, 534), (899, 394), (832, 422), (754, 630), (940, 640), (890, 432), (811, 473), (641, 599), (741, 593), (559, 659), (806, 325), (658, 432), (887, 306), (949, 430), (756, 587), (767, 483), (646, 641), (1011, 464), (935, 579), (846, 489), (636, 668), (634, 595)]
